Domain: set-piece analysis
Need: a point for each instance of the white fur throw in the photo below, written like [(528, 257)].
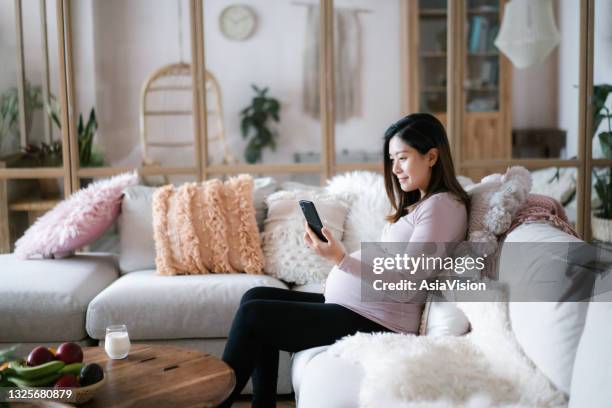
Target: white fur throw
[(485, 368), (369, 205)]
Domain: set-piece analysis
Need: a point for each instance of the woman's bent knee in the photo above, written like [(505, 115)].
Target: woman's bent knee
[(258, 292), (249, 313)]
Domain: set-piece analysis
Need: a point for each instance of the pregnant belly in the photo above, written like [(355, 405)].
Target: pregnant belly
[(342, 287)]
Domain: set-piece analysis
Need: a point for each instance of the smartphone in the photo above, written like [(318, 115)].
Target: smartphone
[(312, 217)]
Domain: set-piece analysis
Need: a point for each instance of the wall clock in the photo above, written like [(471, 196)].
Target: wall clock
[(237, 22)]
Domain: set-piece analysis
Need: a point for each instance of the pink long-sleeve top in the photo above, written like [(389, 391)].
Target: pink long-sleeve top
[(439, 218)]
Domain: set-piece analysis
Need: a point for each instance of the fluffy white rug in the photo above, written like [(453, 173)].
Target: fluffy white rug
[(485, 368)]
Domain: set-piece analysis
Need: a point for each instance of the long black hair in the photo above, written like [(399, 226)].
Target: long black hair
[(422, 132)]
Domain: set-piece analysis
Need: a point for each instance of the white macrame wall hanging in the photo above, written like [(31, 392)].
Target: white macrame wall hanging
[(528, 32)]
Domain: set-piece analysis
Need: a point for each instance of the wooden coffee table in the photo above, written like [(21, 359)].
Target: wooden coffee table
[(160, 376)]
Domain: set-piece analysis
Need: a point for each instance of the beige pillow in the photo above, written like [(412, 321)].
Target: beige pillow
[(286, 255), (207, 227)]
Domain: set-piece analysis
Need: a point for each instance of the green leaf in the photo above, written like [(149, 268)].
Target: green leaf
[(605, 138), (80, 124), (273, 142), (265, 136), (53, 115), (252, 152), (600, 95), (256, 117), (245, 123), (258, 104)]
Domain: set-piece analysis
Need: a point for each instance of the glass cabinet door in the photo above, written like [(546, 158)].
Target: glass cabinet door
[(432, 56), (132, 69), (481, 84), (29, 82)]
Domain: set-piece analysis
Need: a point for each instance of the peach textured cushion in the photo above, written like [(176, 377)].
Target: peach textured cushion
[(207, 227)]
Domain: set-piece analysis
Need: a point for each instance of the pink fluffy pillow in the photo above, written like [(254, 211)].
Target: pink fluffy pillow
[(77, 221)]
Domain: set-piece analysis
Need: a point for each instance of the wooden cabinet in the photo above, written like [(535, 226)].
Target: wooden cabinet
[(481, 137), (486, 84)]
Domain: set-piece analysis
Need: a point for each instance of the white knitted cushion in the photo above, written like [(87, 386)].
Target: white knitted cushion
[(286, 255)]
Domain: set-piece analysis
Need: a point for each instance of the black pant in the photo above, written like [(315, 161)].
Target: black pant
[(273, 319)]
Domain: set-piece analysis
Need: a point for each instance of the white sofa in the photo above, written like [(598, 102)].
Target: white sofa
[(569, 342), (74, 299)]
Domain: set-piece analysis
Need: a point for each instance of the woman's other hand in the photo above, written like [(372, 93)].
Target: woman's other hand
[(332, 250)]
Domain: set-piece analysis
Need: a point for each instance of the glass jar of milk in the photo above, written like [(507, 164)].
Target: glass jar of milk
[(117, 341)]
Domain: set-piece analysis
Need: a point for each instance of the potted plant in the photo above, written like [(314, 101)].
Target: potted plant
[(9, 116), (88, 157), (44, 155), (255, 123), (601, 219)]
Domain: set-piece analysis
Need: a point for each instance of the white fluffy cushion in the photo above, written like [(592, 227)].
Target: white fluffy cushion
[(494, 201), (369, 205), (558, 183), (286, 255), (77, 221), (465, 181)]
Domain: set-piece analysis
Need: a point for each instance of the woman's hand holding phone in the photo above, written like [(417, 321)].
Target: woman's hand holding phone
[(332, 250)]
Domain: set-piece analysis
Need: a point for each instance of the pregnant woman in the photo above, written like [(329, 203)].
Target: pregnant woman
[(429, 205)]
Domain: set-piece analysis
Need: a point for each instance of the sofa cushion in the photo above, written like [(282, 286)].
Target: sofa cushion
[(172, 307), (327, 380), (46, 300), (76, 221), (136, 223), (287, 256), (207, 227), (137, 247), (592, 373), (548, 332), (299, 361)]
